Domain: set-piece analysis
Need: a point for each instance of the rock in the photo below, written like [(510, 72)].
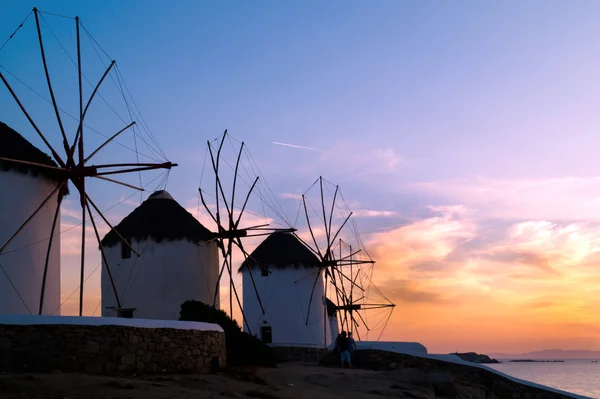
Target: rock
[(141, 366), (133, 339), (94, 367), (128, 360), (475, 357), (69, 364), (176, 353), (92, 347), (5, 343)]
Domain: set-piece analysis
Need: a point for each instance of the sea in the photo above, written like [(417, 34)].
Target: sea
[(577, 376)]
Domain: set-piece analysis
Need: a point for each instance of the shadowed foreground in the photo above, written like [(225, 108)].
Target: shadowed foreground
[(288, 380)]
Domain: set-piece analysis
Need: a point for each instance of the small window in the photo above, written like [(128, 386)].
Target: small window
[(264, 272), (266, 334), (125, 249)]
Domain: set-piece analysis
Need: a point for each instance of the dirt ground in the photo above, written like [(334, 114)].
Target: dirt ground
[(288, 380)]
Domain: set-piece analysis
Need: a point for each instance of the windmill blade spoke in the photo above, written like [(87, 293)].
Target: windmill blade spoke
[(306, 244), (217, 213), (30, 218), (310, 228), (332, 209), (80, 87), (309, 275), (354, 262), (57, 157), (38, 165), (119, 182), (110, 276), (217, 288), (347, 278), (341, 227), (89, 200), (166, 165), (114, 136), (235, 175), (82, 270), (215, 164), (49, 251), (237, 222), (207, 208), (241, 247), (312, 292), (54, 104), (80, 127), (363, 320), (328, 251), (351, 255)]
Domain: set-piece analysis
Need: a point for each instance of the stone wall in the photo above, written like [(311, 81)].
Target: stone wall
[(436, 378), (109, 349), (295, 353)]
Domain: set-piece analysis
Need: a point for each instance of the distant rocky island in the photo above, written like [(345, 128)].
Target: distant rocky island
[(475, 357), (551, 354)]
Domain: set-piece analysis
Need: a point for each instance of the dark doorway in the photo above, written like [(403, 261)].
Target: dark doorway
[(266, 334)]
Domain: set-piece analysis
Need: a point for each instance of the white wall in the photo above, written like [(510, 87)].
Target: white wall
[(285, 295), (20, 196), (161, 279)]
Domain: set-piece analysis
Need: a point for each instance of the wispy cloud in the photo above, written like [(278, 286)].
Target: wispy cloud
[(371, 213), (296, 146), (291, 196), (568, 198)]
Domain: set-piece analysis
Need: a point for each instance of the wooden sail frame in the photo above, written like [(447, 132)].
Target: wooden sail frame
[(74, 167)]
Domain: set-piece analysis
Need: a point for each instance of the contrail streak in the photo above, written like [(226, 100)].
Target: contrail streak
[(295, 146)]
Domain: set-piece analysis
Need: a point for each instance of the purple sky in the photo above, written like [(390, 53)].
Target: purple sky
[(462, 123)]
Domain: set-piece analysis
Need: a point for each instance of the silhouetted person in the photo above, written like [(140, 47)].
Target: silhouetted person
[(337, 341), (352, 343), (344, 349)]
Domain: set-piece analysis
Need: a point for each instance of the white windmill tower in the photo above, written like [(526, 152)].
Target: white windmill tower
[(179, 261), (286, 271), (27, 187)]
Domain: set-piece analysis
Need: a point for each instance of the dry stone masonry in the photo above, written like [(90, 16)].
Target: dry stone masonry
[(109, 349)]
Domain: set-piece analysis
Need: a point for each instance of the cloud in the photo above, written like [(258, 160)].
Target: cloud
[(531, 258), (371, 213), (409, 291), (297, 197), (564, 199), (351, 161)]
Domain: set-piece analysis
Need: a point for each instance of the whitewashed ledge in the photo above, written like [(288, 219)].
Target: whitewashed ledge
[(419, 350), (26, 320), (458, 360)]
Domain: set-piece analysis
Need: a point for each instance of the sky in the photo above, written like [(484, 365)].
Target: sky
[(462, 134)]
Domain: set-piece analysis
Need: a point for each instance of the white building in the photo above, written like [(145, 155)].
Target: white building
[(178, 261), (24, 189), (285, 292)]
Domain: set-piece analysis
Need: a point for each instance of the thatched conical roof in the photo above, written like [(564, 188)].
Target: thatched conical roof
[(281, 250), (160, 218), (15, 146)]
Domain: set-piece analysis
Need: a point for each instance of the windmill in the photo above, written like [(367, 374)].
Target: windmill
[(75, 165), (227, 216), (332, 234)]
